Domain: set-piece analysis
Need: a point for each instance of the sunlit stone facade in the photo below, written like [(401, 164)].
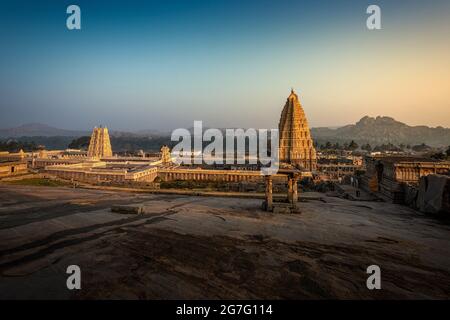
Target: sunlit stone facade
[(296, 145), (100, 145), (165, 155)]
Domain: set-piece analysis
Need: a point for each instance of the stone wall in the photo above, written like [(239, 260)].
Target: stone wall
[(13, 168)]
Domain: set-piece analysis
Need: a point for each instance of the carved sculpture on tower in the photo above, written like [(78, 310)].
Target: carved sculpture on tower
[(100, 145), (296, 145)]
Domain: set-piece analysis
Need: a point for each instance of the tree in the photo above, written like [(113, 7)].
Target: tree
[(367, 147), (328, 145), (353, 145), (438, 156), (80, 143), (448, 151), (386, 147), (16, 146), (421, 147)]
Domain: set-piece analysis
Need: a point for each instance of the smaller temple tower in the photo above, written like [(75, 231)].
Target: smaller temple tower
[(100, 145), (165, 155)]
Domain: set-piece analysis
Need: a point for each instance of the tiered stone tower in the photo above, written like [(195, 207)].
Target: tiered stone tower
[(296, 146), (165, 155), (100, 145)]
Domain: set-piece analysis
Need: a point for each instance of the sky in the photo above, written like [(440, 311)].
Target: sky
[(160, 65)]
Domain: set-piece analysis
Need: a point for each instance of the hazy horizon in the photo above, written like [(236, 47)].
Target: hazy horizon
[(169, 129), (158, 65)]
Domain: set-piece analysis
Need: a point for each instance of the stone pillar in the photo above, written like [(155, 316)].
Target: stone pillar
[(290, 189), (269, 196), (294, 190)]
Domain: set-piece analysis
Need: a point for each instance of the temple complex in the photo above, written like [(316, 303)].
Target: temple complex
[(396, 179), (100, 145), (98, 165), (296, 145)]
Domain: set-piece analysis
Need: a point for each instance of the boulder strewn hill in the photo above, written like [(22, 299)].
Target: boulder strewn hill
[(375, 131), (382, 130)]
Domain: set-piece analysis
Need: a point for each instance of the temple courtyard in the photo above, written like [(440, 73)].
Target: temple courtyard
[(188, 247)]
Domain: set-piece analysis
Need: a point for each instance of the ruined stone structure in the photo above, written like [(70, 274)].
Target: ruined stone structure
[(14, 156), (432, 195), (296, 145), (100, 145), (334, 169), (389, 176), (10, 168), (288, 205)]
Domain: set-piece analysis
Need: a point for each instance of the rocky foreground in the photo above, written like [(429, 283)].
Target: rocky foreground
[(209, 248)]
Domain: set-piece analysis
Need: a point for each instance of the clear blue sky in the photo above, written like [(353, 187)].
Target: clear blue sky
[(163, 64)]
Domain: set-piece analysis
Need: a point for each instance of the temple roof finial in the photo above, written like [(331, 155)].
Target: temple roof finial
[(293, 95)]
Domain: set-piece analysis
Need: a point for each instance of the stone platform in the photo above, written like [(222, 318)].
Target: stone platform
[(187, 247)]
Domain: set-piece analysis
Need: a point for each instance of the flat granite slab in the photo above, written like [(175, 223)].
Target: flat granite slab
[(192, 247)]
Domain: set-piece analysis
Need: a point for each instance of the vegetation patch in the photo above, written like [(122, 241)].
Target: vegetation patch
[(40, 182)]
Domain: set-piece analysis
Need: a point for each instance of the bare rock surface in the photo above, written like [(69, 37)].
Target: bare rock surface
[(209, 248)]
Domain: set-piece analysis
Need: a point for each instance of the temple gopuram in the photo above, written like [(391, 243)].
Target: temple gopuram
[(296, 145), (100, 145)]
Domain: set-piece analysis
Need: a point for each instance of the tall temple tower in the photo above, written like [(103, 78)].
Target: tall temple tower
[(100, 145), (296, 146)]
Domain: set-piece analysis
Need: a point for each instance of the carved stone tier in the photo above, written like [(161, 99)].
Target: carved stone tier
[(100, 145), (296, 145)]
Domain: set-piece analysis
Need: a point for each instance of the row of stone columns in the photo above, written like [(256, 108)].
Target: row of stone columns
[(292, 190), (208, 176)]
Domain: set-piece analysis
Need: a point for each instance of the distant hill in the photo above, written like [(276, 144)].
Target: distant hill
[(381, 130), (38, 129), (43, 130), (55, 138), (376, 131)]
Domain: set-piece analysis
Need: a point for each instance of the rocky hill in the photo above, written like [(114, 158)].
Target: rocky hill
[(382, 130), (375, 131)]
